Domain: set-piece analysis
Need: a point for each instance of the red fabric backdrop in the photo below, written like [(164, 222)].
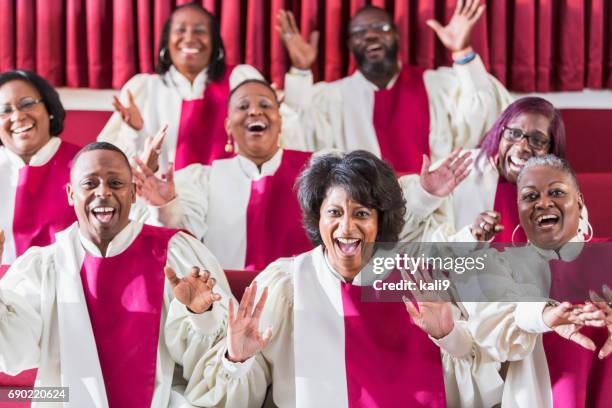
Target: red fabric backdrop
[(529, 45)]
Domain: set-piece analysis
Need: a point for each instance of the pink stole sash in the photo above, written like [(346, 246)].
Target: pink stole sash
[(41, 204), (390, 362), (274, 219), (578, 377), (505, 204), (401, 121), (124, 295), (201, 135)]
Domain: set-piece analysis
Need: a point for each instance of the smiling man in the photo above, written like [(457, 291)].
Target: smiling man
[(90, 310), (397, 112)]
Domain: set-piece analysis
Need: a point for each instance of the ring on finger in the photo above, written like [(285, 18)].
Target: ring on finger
[(482, 225)]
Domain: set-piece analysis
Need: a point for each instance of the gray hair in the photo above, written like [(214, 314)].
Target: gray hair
[(552, 161)]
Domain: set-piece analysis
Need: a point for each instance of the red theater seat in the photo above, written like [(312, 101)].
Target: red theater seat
[(597, 190), (239, 280)]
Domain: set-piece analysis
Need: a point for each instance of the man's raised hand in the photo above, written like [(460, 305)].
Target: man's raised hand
[(302, 54), (456, 34)]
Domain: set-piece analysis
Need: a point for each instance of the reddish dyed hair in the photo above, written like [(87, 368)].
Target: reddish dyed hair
[(531, 104)]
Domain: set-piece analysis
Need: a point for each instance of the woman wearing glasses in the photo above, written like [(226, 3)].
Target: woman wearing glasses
[(34, 163), (34, 170), (483, 206)]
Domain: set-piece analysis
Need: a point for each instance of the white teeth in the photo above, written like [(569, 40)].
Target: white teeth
[(188, 50), (348, 240), (23, 129), (517, 161), (373, 47), (547, 217), (258, 125), (103, 209)]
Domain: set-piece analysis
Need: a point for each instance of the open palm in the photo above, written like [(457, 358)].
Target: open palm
[(194, 290), (153, 190), (302, 54), (456, 34), (243, 337), (444, 179)]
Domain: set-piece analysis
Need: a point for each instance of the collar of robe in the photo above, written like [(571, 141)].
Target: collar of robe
[(42, 156)]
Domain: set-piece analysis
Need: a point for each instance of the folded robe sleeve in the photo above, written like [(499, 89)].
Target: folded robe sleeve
[(217, 382), (22, 292), (188, 335)]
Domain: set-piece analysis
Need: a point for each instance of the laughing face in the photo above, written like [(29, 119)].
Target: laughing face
[(513, 155), (549, 206), (374, 43), (254, 121), (26, 129), (190, 40), (102, 192), (346, 227)]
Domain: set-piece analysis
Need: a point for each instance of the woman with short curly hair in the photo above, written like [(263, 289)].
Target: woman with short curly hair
[(324, 344)]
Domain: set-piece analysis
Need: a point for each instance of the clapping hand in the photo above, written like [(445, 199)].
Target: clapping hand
[(195, 290), (302, 54), (243, 337), (130, 113), (434, 314), (444, 179), (153, 190), (456, 34), (598, 313), (152, 148)]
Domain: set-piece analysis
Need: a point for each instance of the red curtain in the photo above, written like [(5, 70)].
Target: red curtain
[(530, 45)]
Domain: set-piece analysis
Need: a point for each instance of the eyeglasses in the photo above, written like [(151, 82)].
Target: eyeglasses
[(361, 30), (24, 105), (537, 141)]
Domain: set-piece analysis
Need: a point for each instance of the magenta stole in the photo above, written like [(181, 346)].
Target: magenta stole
[(401, 121), (506, 204), (124, 296), (41, 210), (274, 219), (41, 204), (390, 362), (201, 135), (578, 377)]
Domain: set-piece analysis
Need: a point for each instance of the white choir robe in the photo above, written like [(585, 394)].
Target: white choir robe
[(212, 202), (464, 102), (45, 279), (10, 164), (512, 331), (217, 382), (159, 100)]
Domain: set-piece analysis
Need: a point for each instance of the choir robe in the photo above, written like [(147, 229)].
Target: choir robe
[(512, 331), (305, 359), (448, 219), (55, 159), (463, 103), (45, 323), (217, 204), (159, 100)]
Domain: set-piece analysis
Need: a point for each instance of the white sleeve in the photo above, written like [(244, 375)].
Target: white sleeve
[(468, 377), (313, 112), (118, 132), (464, 102), (21, 321), (189, 208), (422, 209), (189, 335), (218, 382)]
